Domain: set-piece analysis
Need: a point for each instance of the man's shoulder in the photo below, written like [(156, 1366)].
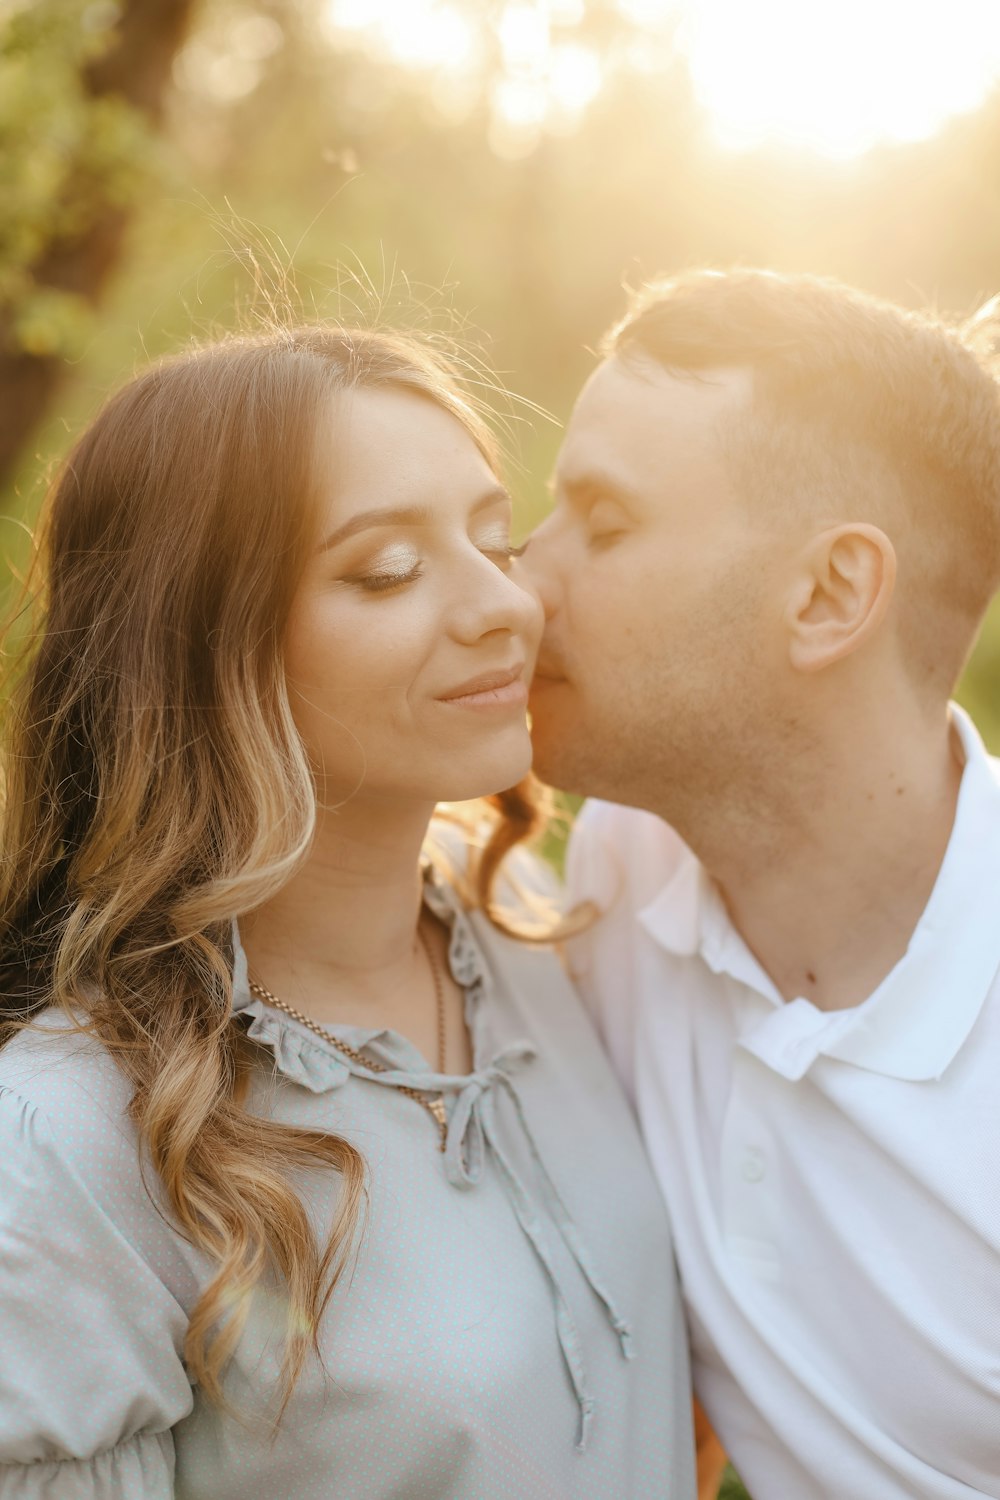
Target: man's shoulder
[(621, 856)]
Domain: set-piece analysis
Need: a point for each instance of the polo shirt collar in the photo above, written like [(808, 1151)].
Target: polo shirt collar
[(913, 1025)]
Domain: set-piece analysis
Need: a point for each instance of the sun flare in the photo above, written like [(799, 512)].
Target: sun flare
[(839, 78), (834, 78)]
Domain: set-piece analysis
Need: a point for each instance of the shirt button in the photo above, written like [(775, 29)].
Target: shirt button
[(752, 1168)]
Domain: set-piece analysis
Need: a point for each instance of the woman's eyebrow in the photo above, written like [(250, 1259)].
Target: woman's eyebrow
[(409, 515)]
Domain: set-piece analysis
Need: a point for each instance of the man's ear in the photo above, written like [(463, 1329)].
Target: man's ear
[(842, 590)]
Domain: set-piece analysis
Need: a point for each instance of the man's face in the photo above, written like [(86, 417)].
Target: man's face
[(661, 653)]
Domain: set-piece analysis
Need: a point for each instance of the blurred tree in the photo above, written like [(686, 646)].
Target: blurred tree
[(81, 82)]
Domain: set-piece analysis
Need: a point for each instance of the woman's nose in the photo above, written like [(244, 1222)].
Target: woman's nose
[(500, 601)]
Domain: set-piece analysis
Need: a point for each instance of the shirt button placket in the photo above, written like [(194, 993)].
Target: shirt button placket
[(748, 1186), (753, 1167)]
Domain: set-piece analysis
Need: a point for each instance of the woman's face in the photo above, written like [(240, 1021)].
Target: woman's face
[(410, 642)]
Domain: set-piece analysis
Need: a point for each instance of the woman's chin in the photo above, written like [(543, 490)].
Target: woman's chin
[(488, 774)]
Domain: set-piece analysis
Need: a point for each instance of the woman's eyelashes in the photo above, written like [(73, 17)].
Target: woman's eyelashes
[(399, 567), (504, 553), (381, 583), (393, 567)]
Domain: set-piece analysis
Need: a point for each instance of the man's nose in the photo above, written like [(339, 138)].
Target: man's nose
[(541, 563)]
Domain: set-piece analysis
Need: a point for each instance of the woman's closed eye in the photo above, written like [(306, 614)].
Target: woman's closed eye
[(502, 553), (400, 566), (391, 569), (380, 583), (494, 542)]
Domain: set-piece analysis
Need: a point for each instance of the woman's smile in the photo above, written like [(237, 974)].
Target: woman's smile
[(504, 688)]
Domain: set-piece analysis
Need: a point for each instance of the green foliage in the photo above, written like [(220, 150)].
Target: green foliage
[(64, 157), (48, 321), (731, 1489)]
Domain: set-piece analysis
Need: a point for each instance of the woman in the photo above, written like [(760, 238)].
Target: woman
[(313, 1182)]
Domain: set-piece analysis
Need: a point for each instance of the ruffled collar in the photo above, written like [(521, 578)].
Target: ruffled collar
[(304, 1058)]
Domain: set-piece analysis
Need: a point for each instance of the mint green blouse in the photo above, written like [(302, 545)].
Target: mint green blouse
[(509, 1328)]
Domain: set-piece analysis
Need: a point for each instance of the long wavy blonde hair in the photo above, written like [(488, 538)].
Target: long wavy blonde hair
[(155, 787)]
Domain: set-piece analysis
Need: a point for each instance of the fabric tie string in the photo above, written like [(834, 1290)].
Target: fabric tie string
[(472, 1127)]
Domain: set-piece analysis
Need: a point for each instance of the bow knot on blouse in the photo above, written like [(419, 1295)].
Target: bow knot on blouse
[(467, 1134), (473, 1129)]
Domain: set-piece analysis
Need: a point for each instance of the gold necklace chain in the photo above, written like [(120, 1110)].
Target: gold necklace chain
[(433, 1103)]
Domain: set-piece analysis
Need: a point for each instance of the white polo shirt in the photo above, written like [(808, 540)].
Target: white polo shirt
[(833, 1177)]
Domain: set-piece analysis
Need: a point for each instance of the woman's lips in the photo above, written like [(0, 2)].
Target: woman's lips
[(514, 695), (505, 689)]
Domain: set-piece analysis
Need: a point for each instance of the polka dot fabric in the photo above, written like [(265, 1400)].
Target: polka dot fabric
[(484, 1311)]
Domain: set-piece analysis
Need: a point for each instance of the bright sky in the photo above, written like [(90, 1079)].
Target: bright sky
[(835, 76)]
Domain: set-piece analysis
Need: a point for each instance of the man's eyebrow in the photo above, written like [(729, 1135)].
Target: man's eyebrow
[(582, 489), (409, 515)]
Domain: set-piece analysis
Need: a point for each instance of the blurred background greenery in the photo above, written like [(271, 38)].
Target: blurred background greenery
[(170, 167)]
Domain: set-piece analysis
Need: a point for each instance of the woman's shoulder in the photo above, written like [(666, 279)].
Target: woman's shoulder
[(92, 1278), (64, 1112), (67, 1137), (65, 1073)]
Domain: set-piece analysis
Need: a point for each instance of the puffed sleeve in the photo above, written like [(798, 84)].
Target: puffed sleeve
[(91, 1374)]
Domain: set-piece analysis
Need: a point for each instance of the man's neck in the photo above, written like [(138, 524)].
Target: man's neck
[(827, 890)]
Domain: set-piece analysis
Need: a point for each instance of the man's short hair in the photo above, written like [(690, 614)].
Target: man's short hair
[(861, 410)]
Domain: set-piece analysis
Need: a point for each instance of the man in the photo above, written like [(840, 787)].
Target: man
[(776, 533)]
